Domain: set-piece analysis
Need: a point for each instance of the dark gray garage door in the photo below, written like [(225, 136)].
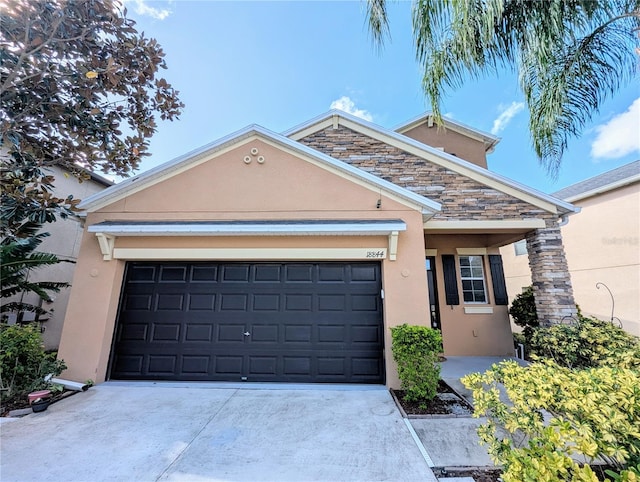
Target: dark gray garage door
[(293, 322)]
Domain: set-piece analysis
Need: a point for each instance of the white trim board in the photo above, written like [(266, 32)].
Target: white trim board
[(251, 254)]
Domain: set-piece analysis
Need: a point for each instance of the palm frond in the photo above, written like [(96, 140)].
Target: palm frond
[(565, 91), (378, 21), (571, 55)]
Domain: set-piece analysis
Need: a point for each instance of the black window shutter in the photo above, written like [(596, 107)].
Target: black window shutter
[(497, 276), (450, 280)]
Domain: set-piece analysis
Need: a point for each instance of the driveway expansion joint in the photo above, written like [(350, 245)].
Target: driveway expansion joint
[(193, 439)]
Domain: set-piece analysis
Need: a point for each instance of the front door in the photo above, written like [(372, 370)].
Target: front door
[(433, 292)]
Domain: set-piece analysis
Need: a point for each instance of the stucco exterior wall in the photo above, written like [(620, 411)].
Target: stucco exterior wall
[(225, 188), (453, 142), (470, 334), (601, 244)]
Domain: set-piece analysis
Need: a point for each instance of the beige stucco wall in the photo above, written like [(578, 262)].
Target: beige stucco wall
[(470, 334), (225, 188), (602, 245), (453, 142), (63, 241)]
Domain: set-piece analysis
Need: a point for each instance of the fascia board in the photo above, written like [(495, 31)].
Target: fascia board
[(603, 189), (262, 229), (202, 154)]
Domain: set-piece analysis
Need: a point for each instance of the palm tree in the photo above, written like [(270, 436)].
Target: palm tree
[(570, 55), (18, 257)]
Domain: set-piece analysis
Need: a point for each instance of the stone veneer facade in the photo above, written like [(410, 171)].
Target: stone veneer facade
[(550, 274), (462, 199)]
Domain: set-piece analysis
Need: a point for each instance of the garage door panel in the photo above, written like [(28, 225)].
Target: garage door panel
[(169, 302), (267, 273), (166, 332), (332, 273), (201, 301), (162, 365), (172, 274), (196, 332), (234, 302), (138, 302), (299, 322), (229, 365), (264, 333), (196, 365), (366, 334), (235, 273), (201, 274), (298, 302), (297, 333), (266, 302), (142, 274), (230, 333)]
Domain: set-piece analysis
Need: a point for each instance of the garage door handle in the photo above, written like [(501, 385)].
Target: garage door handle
[(246, 333)]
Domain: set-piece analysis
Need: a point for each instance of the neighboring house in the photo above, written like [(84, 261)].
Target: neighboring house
[(601, 245), (63, 241), (288, 257)]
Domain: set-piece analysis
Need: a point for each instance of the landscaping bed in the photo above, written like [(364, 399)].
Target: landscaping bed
[(22, 403), (446, 403)]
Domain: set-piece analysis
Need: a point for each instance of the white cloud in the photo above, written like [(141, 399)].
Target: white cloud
[(507, 113), (142, 8), (620, 136), (346, 104)]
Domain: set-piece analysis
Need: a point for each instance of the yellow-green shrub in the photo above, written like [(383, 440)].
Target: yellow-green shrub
[(588, 343), (557, 418)]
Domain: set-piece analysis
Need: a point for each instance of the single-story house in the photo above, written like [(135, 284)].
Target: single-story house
[(601, 245), (289, 257)]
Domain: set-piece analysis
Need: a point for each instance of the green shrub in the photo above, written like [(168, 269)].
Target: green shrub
[(24, 362), (415, 350), (523, 312), (588, 343), (558, 418)]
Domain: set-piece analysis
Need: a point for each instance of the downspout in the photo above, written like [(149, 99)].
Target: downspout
[(564, 220)]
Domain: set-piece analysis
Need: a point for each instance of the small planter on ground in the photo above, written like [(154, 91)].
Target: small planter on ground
[(40, 404)]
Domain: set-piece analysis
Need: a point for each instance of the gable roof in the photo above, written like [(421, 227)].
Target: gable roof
[(204, 153), (489, 140), (484, 176), (607, 181)]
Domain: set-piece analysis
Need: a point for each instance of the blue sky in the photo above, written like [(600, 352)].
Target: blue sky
[(278, 64)]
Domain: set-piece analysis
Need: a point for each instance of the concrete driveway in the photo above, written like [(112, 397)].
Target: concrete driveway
[(176, 432)]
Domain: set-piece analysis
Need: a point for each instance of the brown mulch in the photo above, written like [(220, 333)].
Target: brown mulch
[(478, 475), (446, 402)]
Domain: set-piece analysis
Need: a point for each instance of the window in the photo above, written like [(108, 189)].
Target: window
[(472, 276), (520, 247)]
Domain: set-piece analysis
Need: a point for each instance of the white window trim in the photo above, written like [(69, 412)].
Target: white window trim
[(484, 280)]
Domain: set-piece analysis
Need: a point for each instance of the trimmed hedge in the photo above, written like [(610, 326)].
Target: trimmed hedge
[(415, 350)]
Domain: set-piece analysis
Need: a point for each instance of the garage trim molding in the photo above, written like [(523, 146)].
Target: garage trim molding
[(108, 231)]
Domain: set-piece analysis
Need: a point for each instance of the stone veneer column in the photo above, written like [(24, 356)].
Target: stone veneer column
[(550, 274)]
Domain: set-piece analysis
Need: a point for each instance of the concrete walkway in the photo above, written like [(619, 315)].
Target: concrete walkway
[(453, 442), (175, 432)]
